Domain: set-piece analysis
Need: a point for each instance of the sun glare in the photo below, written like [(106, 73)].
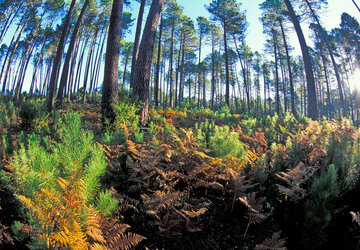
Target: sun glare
[(354, 80)]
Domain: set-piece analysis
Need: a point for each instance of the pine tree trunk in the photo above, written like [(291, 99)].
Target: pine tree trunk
[(88, 66), (65, 71), (227, 94), (9, 21), (182, 74), (336, 70), (143, 64), (57, 61), (276, 79), (157, 72), (310, 81), (111, 74), (292, 92), (171, 65), (13, 50), (137, 41)]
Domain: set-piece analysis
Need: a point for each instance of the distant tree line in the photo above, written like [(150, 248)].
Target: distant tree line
[(68, 43)]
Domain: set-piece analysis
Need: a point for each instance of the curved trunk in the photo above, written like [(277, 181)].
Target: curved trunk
[(310, 81), (336, 70), (57, 60), (13, 49), (137, 41), (65, 71)]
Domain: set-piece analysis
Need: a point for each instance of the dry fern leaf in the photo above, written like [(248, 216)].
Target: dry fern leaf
[(356, 217), (254, 206), (294, 179), (5, 235), (193, 214), (273, 243), (127, 241)]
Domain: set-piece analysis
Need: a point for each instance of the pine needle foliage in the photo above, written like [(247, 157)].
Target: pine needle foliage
[(225, 143), (324, 190), (59, 185)]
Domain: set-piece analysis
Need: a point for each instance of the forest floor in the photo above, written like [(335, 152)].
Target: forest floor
[(203, 179)]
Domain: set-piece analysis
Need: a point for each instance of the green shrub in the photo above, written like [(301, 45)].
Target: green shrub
[(31, 112), (225, 143), (126, 113), (39, 164), (106, 203), (139, 136), (323, 192), (116, 137)]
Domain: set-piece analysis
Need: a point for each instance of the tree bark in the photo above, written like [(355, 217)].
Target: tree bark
[(171, 65), (157, 72), (310, 81), (57, 60), (111, 74), (65, 71), (143, 64), (227, 94), (292, 92), (137, 41), (336, 70)]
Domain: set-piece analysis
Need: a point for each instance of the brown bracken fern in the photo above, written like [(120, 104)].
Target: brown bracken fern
[(65, 220)]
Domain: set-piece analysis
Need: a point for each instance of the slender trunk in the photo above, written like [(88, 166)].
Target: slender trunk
[(9, 21), (125, 68), (137, 41), (265, 80), (182, 73), (204, 89), (227, 98), (189, 88), (177, 75), (356, 5), (36, 66), (171, 64), (199, 72), (93, 67), (13, 50), (88, 66), (336, 70), (65, 71), (212, 71), (276, 78), (292, 92), (283, 79), (312, 109), (99, 63), (45, 88), (243, 70), (23, 73), (57, 61), (157, 72), (72, 70)]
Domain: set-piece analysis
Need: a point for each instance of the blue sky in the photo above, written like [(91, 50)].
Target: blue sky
[(255, 37)]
